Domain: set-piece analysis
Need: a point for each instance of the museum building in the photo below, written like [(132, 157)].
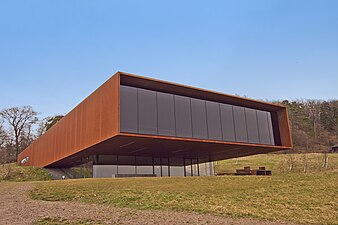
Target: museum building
[(134, 126)]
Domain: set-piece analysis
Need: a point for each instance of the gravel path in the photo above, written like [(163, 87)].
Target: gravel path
[(17, 208)]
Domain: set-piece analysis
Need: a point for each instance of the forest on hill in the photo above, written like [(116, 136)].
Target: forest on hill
[(314, 127), (314, 124)]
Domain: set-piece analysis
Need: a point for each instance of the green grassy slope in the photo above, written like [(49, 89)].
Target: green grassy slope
[(291, 196), (280, 163), (13, 172)]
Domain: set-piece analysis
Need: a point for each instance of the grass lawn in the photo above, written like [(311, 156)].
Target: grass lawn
[(290, 196), (279, 163)]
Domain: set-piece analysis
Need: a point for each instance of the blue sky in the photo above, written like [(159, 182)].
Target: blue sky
[(53, 54)]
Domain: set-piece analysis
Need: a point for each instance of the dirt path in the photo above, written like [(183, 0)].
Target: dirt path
[(17, 208)]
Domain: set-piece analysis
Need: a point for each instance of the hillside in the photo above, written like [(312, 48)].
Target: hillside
[(292, 196), (314, 124), (280, 163), (13, 172)]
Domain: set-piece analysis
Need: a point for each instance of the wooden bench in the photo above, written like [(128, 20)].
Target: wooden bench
[(260, 172)]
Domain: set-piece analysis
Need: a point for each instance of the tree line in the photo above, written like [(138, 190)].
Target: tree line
[(314, 124), (19, 127), (314, 127)]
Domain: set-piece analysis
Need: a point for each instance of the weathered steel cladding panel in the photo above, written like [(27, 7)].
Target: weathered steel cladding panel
[(94, 120)]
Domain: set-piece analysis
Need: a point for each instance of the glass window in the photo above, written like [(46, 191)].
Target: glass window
[(126, 165), (165, 167), (194, 167), (176, 167), (107, 160), (104, 171), (183, 116), (240, 124), (227, 122), (263, 127), (128, 109), (188, 168), (166, 114), (214, 121), (157, 167), (144, 165), (252, 125), (272, 139), (199, 119), (147, 112)]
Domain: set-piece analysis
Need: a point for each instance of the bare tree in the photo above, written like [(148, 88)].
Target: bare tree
[(4, 156), (313, 110), (20, 120), (48, 123), (3, 134), (42, 126)]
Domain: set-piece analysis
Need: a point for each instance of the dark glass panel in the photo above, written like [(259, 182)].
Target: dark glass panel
[(199, 119), (227, 122), (272, 139), (147, 112), (240, 124), (126, 160), (214, 121), (128, 109), (183, 116), (166, 114), (263, 127), (107, 160), (252, 126)]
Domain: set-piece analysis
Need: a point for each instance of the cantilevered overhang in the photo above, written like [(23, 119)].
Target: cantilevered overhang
[(94, 127), (156, 146)]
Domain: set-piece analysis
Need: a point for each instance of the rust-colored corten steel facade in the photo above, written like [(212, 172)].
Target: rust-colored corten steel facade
[(131, 115)]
